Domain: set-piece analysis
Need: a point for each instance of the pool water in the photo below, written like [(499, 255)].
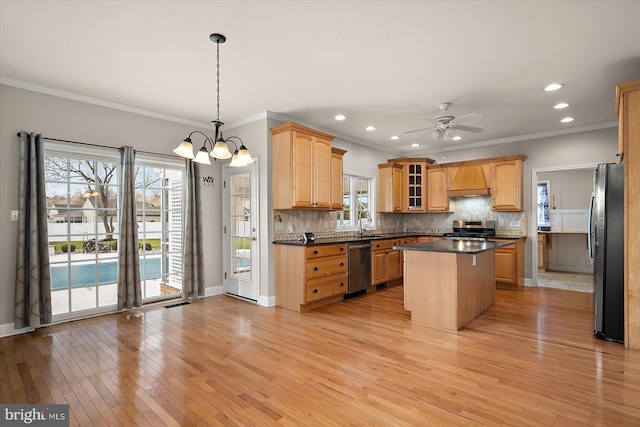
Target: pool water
[(102, 273)]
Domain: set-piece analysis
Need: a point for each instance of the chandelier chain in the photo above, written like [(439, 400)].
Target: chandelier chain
[(218, 78)]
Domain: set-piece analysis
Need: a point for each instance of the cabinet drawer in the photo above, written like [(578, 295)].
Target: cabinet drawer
[(326, 266), (326, 250), (408, 240), (378, 245), (325, 287)]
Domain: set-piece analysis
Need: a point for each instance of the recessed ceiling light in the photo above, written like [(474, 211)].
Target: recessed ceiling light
[(340, 117), (370, 128), (567, 119), (456, 138), (395, 137), (561, 105), (553, 86), (415, 144)]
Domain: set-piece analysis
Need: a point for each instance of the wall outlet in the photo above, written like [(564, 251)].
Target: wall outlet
[(14, 215), (290, 227)]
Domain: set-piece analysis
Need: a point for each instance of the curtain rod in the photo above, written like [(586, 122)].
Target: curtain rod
[(105, 146)]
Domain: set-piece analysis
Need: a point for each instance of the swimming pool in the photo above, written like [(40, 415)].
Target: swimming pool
[(102, 273)]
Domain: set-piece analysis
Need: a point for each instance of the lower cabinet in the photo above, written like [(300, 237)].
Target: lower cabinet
[(310, 276), (543, 251), (386, 262), (510, 264)]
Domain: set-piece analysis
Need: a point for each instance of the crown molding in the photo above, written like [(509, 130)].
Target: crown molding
[(518, 138)]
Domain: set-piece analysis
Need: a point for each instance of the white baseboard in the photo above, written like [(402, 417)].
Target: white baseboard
[(213, 291), (267, 301), (528, 281), (9, 329)]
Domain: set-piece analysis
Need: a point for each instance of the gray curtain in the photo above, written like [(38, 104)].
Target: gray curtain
[(129, 289), (192, 257), (33, 281)]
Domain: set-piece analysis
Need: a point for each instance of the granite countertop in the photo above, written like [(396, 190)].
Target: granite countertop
[(345, 239), (454, 246), (507, 236)]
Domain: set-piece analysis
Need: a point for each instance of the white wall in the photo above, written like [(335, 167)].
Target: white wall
[(570, 189), (67, 119)]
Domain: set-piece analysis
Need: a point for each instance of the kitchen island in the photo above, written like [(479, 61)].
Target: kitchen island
[(448, 283)]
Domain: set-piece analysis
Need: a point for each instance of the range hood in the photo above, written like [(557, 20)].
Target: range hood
[(469, 181)]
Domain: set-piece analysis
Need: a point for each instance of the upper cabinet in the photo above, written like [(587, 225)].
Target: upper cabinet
[(506, 191), (390, 187), (437, 196), (414, 183), (336, 177), (303, 177)]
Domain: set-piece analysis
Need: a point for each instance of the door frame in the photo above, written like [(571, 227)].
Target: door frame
[(533, 213), (254, 173)]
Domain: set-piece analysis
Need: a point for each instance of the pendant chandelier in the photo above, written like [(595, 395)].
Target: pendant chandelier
[(218, 144)]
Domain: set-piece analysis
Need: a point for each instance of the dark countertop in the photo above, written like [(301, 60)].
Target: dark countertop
[(507, 236), (454, 246), (345, 239)]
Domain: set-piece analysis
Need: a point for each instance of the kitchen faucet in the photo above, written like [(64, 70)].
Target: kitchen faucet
[(362, 209)]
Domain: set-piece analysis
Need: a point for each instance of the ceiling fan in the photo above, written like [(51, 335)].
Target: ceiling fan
[(445, 125)]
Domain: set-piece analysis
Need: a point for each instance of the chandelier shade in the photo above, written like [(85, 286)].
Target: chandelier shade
[(218, 145)]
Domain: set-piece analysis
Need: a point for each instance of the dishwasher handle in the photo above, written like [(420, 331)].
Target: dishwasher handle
[(360, 246)]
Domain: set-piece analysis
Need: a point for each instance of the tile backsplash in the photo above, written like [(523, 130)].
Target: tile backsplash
[(290, 224)]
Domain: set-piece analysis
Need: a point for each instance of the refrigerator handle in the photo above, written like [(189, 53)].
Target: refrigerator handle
[(589, 235)]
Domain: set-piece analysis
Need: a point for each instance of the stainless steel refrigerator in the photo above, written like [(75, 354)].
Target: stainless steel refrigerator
[(606, 247)]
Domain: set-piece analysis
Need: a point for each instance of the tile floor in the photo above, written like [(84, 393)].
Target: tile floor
[(562, 280)]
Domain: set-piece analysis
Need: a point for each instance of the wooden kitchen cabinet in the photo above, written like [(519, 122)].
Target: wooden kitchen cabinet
[(509, 264), (385, 261), (310, 276), (414, 183), (628, 111), (336, 178), (543, 251), (302, 173), (506, 190), (437, 197), (390, 187)]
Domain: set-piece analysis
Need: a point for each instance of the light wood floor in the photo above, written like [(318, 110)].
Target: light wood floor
[(530, 360)]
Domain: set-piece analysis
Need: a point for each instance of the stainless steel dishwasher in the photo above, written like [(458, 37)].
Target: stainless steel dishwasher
[(359, 266)]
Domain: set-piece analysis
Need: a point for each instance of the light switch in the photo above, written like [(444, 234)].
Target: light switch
[(14, 215)]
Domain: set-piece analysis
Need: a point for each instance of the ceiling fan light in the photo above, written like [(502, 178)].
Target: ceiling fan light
[(202, 156), (185, 149), (567, 119), (456, 138), (221, 150), (561, 105), (435, 134)]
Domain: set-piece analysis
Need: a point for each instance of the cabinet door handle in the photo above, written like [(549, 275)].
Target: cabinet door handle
[(342, 264), (341, 249), (341, 284), (315, 268), (315, 252), (377, 246), (315, 291)]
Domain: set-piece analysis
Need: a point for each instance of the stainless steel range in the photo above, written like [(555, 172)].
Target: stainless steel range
[(472, 230)]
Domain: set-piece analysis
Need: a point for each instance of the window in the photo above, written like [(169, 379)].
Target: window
[(543, 203), (358, 203)]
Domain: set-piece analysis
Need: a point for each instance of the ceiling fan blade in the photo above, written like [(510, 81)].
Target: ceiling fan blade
[(467, 128), (419, 130), (430, 119), (467, 117)]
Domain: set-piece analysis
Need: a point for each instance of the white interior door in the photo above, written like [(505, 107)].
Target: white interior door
[(240, 233)]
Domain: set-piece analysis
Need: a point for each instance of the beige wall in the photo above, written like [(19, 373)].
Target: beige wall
[(571, 189), (62, 118)]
